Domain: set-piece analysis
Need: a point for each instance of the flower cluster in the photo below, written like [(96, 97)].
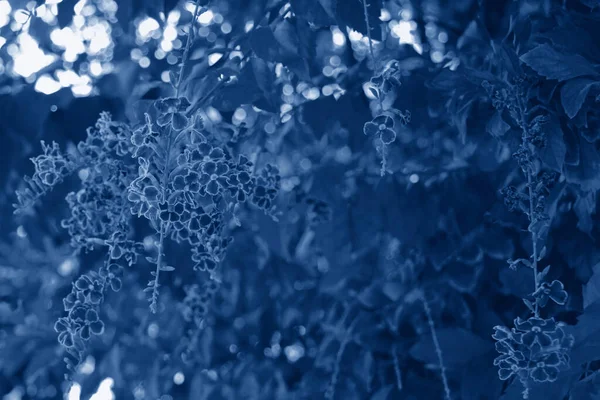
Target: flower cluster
[(82, 320), (501, 97), (197, 301), (266, 187), (186, 185), (387, 80), (534, 349), (318, 211), (382, 127), (51, 168), (194, 308)]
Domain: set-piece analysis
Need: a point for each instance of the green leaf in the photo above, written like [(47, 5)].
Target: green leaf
[(553, 154), (265, 45), (313, 12), (383, 393), (587, 173), (591, 290), (553, 64), (584, 207), (573, 94), (373, 298), (496, 126), (353, 16)]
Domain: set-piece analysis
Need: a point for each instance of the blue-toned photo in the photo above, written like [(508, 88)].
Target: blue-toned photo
[(299, 199)]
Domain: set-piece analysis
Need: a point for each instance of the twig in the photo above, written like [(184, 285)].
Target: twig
[(436, 343)]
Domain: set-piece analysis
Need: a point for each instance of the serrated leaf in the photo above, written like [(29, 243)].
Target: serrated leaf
[(552, 64), (553, 154), (573, 94), (587, 172)]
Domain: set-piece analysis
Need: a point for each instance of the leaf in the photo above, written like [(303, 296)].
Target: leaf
[(553, 154), (573, 94), (458, 347), (586, 333), (591, 3), (496, 126), (591, 290), (383, 393), (265, 79), (587, 172), (587, 389), (394, 290), (313, 12), (353, 16), (584, 207), (294, 51), (552, 64), (480, 379), (265, 45), (373, 298), (167, 268)]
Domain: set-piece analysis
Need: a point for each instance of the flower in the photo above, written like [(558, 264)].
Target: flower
[(214, 176), (73, 299), (90, 288), (389, 78), (554, 291), (171, 111), (383, 126), (64, 328), (543, 365), (92, 325), (112, 274), (536, 330)]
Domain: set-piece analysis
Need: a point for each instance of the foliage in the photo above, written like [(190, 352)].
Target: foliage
[(302, 199)]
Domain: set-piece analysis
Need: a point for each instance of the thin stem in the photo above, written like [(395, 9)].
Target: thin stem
[(534, 238), (436, 343), (162, 228), (159, 261), (188, 44), (330, 394), (373, 58), (397, 370)]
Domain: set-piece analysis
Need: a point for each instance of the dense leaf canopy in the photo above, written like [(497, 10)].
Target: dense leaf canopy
[(299, 199)]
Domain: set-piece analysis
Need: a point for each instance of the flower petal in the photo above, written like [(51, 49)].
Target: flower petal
[(180, 121), (370, 129), (388, 136), (164, 119), (212, 188)]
